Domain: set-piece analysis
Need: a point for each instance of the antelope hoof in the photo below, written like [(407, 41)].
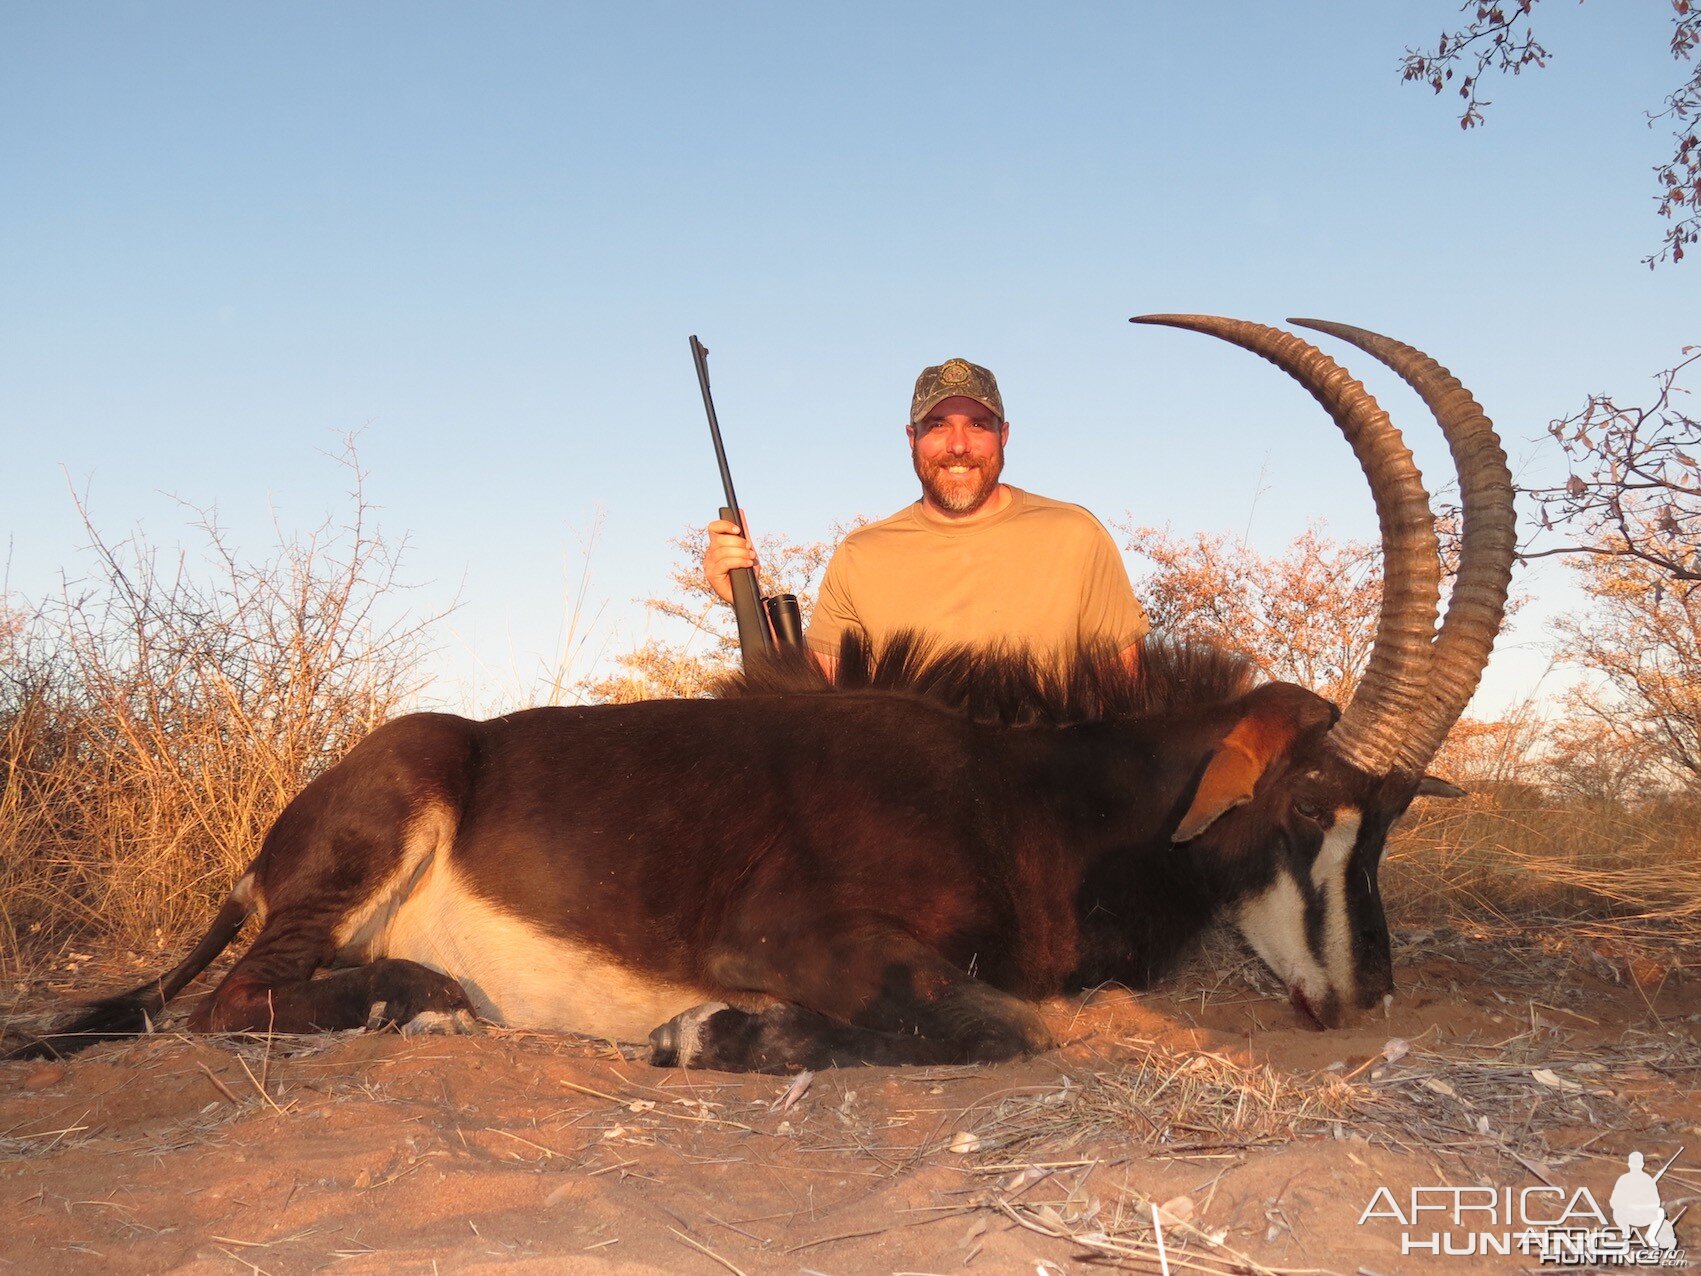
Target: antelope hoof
[(442, 1023), (678, 1042)]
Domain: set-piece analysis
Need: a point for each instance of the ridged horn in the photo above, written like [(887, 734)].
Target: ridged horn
[(1488, 545), (1372, 733)]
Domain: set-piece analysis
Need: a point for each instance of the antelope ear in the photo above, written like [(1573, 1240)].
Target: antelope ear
[(1276, 714), (1230, 777), (1435, 786)]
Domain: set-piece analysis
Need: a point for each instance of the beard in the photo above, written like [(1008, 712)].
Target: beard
[(959, 493)]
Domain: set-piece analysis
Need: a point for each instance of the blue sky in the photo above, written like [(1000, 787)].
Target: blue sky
[(481, 234)]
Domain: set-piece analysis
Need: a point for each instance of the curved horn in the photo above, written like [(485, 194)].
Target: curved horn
[(1371, 735), (1489, 543)]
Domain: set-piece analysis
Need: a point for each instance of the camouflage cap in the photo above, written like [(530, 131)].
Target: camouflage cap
[(952, 378)]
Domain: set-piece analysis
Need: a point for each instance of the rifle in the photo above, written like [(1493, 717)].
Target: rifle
[(748, 605), (1668, 1164)]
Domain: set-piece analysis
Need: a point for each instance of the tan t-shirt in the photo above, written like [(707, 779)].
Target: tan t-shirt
[(1041, 573)]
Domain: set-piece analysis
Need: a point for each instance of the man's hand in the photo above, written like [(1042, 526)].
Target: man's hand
[(728, 549)]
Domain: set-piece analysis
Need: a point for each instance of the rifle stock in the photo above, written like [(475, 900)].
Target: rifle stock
[(746, 601)]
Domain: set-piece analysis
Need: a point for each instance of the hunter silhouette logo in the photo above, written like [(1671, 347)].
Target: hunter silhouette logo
[(1636, 1207), (1558, 1225)]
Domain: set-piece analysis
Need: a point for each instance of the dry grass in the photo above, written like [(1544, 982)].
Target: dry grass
[(1183, 1102), (1531, 1103), (156, 716), (1564, 837), (1516, 859)]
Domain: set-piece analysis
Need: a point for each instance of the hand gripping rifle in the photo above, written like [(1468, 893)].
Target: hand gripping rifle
[(748, 605)]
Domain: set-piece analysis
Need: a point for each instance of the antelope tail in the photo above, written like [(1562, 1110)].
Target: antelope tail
[(131, 1013)]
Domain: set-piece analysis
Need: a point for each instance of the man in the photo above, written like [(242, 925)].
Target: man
[(975, 560)]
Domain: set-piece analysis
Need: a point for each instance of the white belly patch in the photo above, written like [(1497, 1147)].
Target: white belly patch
[(517, 974)]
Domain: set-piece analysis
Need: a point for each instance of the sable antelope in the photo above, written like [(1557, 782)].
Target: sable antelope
[(891, 870)]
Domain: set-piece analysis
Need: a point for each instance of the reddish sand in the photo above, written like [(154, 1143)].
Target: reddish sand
[(374, 1152)]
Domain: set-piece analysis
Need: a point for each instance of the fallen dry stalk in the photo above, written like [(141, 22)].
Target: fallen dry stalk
[(218, 1084)]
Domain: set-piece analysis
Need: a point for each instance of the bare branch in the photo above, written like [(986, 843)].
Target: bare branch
[(1634, 490)]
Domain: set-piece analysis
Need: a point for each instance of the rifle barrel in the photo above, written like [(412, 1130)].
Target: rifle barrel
[(746, 598), (700, 356), (1668, 1164)]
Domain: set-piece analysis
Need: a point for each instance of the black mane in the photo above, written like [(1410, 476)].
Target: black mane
[(1010, 685)]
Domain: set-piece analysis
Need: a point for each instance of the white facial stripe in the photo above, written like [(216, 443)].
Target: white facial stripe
[(1329, 876), (1274, 924), (1337, 848)]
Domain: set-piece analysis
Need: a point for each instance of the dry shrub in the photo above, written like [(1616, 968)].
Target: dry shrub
[(1641, 641), (156, 716), (1307, 615), (708, 651)]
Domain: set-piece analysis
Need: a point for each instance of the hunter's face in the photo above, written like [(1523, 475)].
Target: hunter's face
[(958, 450)]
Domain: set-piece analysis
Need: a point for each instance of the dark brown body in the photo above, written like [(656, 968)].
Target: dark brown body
[(869, 876)]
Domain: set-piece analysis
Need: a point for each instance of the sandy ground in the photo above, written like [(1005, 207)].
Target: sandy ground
[(1524, 1062)]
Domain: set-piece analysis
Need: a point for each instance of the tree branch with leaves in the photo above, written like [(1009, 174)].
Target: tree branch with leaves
[(1499, 38)]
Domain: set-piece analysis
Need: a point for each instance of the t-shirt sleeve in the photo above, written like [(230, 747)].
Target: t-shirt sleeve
[(833, 613), (1108, 606)]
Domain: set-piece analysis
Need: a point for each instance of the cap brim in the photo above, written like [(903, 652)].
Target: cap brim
[(918, 414)]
